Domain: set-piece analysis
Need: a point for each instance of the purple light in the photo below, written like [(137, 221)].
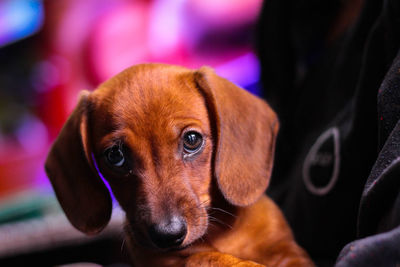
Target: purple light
[(102, 178), (41, 180), (244, 70)]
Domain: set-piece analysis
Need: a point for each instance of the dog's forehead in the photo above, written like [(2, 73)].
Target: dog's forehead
[(151, 95)]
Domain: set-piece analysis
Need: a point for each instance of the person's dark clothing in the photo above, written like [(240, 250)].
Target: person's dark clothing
[(337, 163)]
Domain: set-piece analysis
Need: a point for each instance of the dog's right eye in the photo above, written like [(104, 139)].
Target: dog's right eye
[(115, 156)]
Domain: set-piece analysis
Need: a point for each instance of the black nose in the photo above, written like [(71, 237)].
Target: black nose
[(169, 233)]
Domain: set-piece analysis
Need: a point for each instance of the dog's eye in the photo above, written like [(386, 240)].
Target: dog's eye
[(192, 142), (114, 156)]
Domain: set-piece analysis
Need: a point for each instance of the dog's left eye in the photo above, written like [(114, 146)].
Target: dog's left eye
[(192, 142), (115, 156)]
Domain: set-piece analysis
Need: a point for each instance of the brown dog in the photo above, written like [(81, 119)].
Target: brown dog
[(188, 155)]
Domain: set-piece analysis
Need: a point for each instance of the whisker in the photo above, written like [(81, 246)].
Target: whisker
[(202, 204), (219, 221), (224, 211), (211, 225)]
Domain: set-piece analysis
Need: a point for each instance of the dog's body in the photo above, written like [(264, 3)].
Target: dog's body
[(188, 156)]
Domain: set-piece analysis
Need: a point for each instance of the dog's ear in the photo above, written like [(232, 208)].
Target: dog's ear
[(69, 166), (245, 129)]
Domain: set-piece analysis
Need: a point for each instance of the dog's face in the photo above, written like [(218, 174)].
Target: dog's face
[(155, 151), (159, 135)]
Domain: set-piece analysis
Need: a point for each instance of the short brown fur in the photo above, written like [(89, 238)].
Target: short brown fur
[(219, 191)]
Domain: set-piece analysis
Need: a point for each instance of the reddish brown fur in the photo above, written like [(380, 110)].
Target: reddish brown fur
[(219, 191)]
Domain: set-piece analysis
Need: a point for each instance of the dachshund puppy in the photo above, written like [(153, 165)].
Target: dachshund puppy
[(188, 156)]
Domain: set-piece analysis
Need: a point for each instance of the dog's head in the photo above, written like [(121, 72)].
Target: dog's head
[(159, 135)]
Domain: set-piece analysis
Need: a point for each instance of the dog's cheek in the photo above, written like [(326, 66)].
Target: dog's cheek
[(128, 194), (133, 202), (199, 216), (197, 223), (200, 173)]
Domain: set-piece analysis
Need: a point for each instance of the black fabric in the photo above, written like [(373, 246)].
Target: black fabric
[(338, 104)]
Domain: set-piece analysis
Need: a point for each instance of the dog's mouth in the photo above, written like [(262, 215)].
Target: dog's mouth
[(145, 242)]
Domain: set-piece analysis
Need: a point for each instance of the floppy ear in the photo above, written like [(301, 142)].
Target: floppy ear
[(69, 166), (245, 129)]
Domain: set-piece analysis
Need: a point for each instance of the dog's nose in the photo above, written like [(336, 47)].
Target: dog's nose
[(169, 233)]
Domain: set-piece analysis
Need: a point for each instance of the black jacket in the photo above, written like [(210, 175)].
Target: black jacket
[(337, 166)]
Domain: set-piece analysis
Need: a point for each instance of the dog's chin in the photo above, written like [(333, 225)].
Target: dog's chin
[(143, 241), (181, 247)]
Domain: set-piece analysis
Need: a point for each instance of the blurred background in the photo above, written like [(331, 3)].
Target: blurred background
[(49, 51)]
